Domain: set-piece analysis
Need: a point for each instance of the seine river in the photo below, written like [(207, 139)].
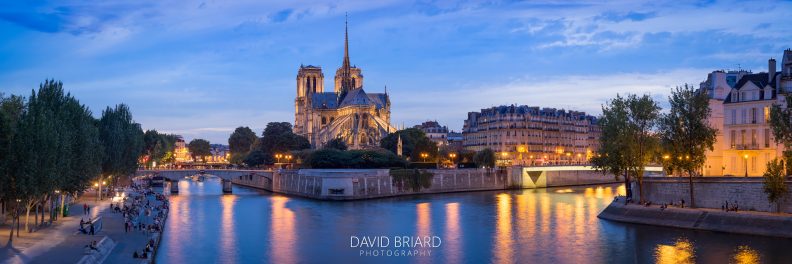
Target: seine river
[(556, 225)]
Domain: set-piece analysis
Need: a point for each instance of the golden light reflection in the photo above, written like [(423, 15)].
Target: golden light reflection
[(283, 232), (544, 207), (503, 247), (746, 255), (681, 252), (424, 221), (452, 233), (227, 234)]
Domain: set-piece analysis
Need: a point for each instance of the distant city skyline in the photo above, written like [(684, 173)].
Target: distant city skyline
[(201, 69)]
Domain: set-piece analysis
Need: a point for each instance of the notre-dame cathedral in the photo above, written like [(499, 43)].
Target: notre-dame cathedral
[(361, 119)]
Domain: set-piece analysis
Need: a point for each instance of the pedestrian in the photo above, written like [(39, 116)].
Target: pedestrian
[(92, 229), (85, 209)]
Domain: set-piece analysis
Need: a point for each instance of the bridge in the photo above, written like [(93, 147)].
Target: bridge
[(225, 175)]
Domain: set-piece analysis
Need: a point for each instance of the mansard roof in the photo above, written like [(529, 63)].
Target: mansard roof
[(326, 100), (380, 99), (758, 79)]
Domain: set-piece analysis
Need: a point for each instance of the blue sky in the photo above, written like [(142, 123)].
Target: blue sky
[(202, 68)]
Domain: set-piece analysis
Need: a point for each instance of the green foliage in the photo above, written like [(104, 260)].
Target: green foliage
[(685, 134), (122, 139), (414, 142), (775, 182), (781, 122), (11, 109), (200, 148), (485, 158), (414, 179), (337, 143), (627, 142), (276, 138), (158, 147), (240, 142), (358, 159)]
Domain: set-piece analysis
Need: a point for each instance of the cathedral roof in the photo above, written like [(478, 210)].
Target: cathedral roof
[(380, 99), (356, 97), (327, 100)]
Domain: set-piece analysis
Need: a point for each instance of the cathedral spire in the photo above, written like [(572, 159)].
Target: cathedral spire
[(347, 83)]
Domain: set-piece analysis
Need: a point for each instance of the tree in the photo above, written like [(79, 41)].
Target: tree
[(685, 134), (277, 137), (781, 125), (775, 183), (11, 110), (627, 142), (240, 142), (256, 158), (414, 142), (485, 158), (122, 139), (200, 148), (336, 143)]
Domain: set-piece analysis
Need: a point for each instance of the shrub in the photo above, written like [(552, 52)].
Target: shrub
[(329, 158)]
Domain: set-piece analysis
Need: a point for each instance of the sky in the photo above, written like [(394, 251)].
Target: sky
[(202, 68)]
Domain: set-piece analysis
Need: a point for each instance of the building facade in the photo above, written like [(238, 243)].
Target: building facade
[(361, 119), (435, 132), (532, 135), (745, 143)]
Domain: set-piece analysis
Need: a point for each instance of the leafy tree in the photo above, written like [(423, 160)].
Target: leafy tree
[(240, 142), (414, 142), (337, 143), (359, 159), (775, 183), (685, 133), (122, 139), (781, 125), (627, 142), (277, 137), (11, 110), (256, 158), (485, 158), (200, 148)]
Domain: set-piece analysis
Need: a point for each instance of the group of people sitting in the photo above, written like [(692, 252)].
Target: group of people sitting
[(90, 230), (144, 254)]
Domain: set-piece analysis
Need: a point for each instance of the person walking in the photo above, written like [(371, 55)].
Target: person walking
[(85, 209), (91, 232)]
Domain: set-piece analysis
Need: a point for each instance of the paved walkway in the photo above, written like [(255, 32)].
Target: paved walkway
[(60, 238)]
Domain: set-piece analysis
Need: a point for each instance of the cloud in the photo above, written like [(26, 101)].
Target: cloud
[(574, 92)]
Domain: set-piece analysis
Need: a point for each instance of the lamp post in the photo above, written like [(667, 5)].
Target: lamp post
[(424, 155), (288, 159), (452, 156), (746, 164), (278, 157)]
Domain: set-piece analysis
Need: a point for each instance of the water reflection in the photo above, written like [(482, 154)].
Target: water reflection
[(746, 255), (533, 226), (453, 232), (282, 234), (502, 248), (681, 252)]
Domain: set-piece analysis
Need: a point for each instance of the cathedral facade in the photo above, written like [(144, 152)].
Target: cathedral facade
[(359, 118)]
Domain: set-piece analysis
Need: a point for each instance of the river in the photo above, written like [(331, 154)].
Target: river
[(554, 225)]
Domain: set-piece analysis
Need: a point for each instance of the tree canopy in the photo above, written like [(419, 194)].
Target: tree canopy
[(122, 139), (277, 137), (200, 148), (337, 143), (628, 142), (414, 142)]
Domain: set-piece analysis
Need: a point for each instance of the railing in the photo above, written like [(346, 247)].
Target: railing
[(746, 146)]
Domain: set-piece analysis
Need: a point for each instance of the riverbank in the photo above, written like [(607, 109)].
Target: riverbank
[(741, 222)]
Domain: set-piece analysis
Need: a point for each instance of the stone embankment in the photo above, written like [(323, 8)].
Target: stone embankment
[(741, 222), (352, 184)]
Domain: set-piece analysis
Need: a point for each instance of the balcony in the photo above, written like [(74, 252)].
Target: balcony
[(746, 146)]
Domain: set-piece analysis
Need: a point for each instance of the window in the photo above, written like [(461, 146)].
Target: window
[(767, 138), (766, 114), (753, 137), (753, 115), (742, 137), (733, 138), (744, 117), (324, 120), (734, 116)]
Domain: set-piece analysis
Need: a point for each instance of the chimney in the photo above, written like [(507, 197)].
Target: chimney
[(771, 70)]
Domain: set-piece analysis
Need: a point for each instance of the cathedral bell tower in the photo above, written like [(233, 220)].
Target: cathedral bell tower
[(310, 80)]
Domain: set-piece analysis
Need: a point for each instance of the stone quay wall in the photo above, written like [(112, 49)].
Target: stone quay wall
[(351, 184), (712, 192)]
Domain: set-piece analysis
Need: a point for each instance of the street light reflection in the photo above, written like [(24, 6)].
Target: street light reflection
[(681, 252)]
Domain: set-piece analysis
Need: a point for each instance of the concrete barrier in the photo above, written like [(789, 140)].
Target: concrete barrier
[(712, 192), (104, 247)]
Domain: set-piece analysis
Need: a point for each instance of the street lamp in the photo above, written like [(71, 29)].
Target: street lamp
[(278, 156), (424, 155), (452, 156), (746, 164)]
